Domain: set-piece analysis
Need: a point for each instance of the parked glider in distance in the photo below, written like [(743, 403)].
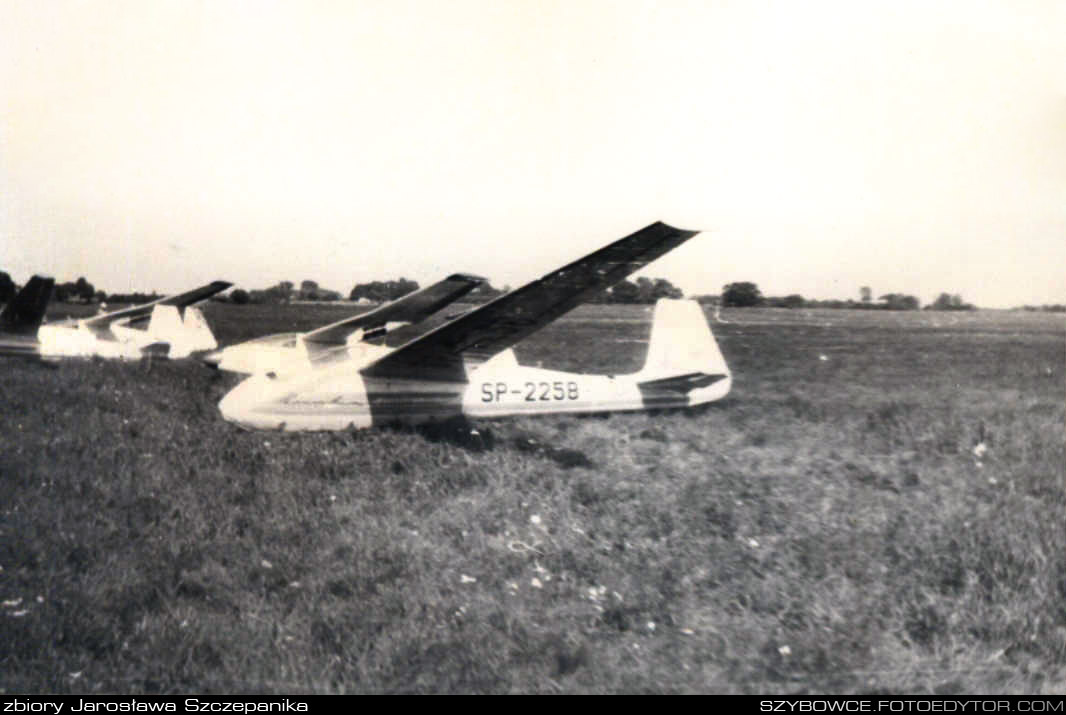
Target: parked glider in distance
[(289, 352), (23, 315), (467, 366), (168, 327)]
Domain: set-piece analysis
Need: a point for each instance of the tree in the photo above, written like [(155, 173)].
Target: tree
[(866, 294), (898, 301), (625, 292), (741, 295), (81, 290), (663, 288), (793, 300), (7, 287), (239, 296), (381, 291), (84, 290), (949, 302)]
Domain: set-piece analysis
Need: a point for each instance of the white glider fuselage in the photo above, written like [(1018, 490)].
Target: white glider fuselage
[(684, 368)]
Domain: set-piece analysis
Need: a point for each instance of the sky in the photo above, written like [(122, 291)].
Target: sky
[(913, 147)]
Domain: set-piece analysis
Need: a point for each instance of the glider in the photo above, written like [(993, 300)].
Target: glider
[(285, 353), (168, 327), (467, 367)]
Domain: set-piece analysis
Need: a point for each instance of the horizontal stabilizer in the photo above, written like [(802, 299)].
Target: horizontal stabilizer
[(680, 383)]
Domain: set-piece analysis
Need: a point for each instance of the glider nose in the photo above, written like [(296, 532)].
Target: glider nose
[(243, 404)]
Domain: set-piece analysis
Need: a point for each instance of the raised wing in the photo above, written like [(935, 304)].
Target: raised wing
[(100, 324), (478, 335), (411, 308)]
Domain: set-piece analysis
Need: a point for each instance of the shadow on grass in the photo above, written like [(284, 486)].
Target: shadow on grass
[(462, 433), (456, 431)]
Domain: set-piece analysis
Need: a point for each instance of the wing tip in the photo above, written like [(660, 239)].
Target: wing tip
[(681, 232), (467, 278)]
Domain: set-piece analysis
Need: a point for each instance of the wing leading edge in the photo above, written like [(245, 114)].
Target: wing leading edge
[(478, 335)]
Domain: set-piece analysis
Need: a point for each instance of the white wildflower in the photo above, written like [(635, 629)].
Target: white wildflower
[(784, 650), (535, 583), (463, 578)]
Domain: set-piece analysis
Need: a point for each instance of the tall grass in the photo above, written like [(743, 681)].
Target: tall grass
[(830, 527)]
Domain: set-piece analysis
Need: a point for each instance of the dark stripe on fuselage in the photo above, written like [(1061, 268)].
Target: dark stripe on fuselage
[(392, 400), (13, 347)]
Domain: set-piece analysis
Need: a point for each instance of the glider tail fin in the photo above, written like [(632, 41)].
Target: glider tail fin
[(197, 332), (184, 335), (683, 354), (25, 312)]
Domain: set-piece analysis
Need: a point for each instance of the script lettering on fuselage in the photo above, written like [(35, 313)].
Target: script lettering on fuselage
[(322, 400), (541, 391)]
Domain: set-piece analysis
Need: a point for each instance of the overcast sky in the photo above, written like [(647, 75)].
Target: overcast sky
[(821, 146)]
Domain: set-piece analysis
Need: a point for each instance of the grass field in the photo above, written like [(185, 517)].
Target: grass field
[(878, 507)]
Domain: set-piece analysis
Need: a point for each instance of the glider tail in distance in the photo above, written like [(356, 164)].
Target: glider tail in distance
[(25, 312), (23, 315), (466, 366), (155, 328)]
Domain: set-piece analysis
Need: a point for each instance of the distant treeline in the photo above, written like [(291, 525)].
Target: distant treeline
[(1055, 308), (286, 292), (283, 292), (742, 294), (747, 295), (643, 290)]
